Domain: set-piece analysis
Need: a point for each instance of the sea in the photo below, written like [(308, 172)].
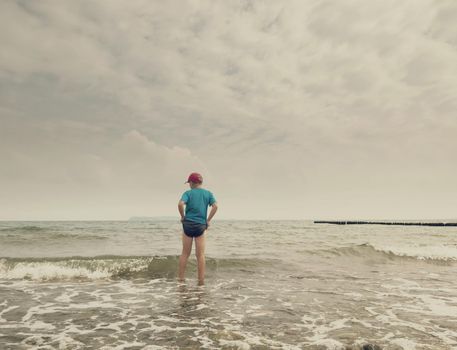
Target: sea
[(269, 285)]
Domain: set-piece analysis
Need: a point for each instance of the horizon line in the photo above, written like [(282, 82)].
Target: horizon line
[(170, 218)]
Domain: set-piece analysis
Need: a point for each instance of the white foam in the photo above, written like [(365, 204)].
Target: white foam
[(425, 252), (363, 323), (40, 325), (93, 305), (238, 344), (49, 271), (321, 331), (114, 326), (201, 306), (75, 329), (448, 336), (330, 344), (65, 297), (8, 309), (406, 344), (439, 307), (67, 342), (39, 309), (308, 320), (238, 317), (33, 339), (132, 301), (126, 346), (354, 295)]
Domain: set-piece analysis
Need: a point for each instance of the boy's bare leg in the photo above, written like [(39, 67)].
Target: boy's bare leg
[(200, 253), (186, 249)]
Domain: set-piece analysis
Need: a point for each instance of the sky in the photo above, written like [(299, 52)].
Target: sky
[(307, 109)]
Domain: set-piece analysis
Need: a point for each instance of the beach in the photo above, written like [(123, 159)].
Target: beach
[(269, 285)]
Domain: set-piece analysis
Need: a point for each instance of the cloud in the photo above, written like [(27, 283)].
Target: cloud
[(325, 98), (131, 174)]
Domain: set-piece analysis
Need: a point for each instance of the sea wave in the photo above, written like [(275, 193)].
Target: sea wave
[(30, 234), (441, 254), (20, 239), (102, 267), (22, 229)]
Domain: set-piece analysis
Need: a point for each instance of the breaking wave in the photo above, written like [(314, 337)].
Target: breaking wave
[(102, 267), (438, 254)]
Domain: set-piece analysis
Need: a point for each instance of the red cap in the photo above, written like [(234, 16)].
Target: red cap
[(195, 178)]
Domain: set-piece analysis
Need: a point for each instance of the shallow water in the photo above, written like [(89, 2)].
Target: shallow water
[(270, 284)]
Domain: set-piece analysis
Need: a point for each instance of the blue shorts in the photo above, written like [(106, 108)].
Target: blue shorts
[(193, 229)]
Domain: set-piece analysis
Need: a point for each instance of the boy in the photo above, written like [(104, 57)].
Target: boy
[(195, 223)]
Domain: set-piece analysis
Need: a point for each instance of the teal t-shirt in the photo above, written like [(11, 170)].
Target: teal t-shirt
[(197, 201)]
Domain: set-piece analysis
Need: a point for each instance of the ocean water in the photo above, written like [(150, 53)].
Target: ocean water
[(269, 285)]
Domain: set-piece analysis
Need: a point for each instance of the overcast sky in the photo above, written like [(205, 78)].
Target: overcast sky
[(289, 109)]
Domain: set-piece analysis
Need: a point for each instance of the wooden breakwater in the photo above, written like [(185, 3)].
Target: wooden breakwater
[(403, 223)]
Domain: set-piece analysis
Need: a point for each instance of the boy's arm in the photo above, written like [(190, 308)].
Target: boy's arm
[(212, 212), (181, 209)]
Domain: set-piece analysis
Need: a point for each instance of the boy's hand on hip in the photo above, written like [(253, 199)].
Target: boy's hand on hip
[(182, 219)]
